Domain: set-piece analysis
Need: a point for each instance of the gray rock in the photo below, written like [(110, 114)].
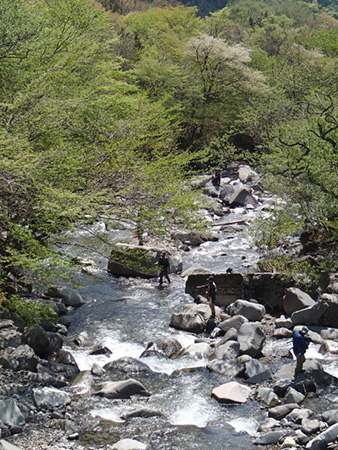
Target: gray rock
[(295, 299), (10, 337), (234, 322), (100, 350), (229, 350), (10, 413), (242, 197), (197, 350), (97, 370), (293, 396), (250, 310), (70, 296), (232, 392), (301, 438), (314, 371), (188, 321), (230, 335), (279, 412), (38, 338), (285, 372), (48, 397), (283, 322), (330, 416), (268, 425), (310, 315), (64, 357), (251, 339), (226, 192), (128, 366), (4, 445), (230, 368), (310, 426), (268, 397), (256, 372), (271, 438), (281, 386), (143, 412), (7, 323), (282, 333), (128, 444), (246, 174), (120, 389), (169, 346), (325, 438), (297, 415), (82, 339), (26, 358)]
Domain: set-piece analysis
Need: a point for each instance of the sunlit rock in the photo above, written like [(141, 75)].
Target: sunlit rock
[(232, 392)]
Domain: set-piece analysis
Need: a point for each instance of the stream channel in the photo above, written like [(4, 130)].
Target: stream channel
[(125, 314)]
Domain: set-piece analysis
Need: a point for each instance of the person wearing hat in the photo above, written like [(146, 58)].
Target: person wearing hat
[(301, 341), (211, 291)]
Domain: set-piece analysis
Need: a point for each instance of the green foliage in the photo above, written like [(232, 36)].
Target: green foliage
[(272, 230), (29, 312), (134, 259), (301, 272), (101, 110)]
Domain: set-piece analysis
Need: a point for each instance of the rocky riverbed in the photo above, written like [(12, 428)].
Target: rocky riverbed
[(58, 384)]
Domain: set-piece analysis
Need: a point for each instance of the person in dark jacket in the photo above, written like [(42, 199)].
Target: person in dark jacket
[(216, 178), (211, 292), (301, 341), (164, 266)]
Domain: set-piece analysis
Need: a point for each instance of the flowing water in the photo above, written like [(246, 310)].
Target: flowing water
[(125, 315)]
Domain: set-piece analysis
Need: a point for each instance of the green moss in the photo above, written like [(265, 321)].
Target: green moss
[(134, 259)]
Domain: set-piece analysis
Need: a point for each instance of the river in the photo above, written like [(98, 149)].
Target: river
[(125, 315)]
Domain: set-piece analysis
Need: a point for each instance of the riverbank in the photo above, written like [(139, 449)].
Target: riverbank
[(124, 316)]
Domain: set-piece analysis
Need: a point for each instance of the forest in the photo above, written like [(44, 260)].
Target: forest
[(108, 108)]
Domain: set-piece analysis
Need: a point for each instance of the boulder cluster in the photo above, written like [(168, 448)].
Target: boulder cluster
[(233, 344)]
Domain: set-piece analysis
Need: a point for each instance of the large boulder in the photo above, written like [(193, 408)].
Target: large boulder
[(10, 413), (256, 372), (229, 368), (234, 322), (128, 366), (251, 310), (229, 350), (169, 346), (197, 350), (295, 299), (194, 238), (69, 296), (232, 392), (325, 438), (42, 342), (193, 318), (242, 197), (251, 339), (10, 337), (48, 397), (188, 321), (26, 358), (310, 315), (120, 389), (133, 261)]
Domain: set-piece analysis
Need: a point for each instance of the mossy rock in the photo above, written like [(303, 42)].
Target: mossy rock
[(133, 261)]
